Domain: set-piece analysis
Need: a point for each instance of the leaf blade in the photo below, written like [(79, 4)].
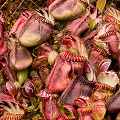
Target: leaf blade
[(101, 4)]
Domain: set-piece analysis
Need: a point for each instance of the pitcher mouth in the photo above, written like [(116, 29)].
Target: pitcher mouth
[(44, 16)]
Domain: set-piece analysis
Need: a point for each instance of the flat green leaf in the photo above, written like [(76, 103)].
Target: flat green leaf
[(92, 23), (101, 4)]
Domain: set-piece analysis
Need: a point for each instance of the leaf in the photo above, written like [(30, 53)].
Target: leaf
[(101, 4), (92, 23)]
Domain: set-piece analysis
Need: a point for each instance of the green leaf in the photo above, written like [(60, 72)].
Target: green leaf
[(92, 23), (101, 4), (99, 44), (22, 76)]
